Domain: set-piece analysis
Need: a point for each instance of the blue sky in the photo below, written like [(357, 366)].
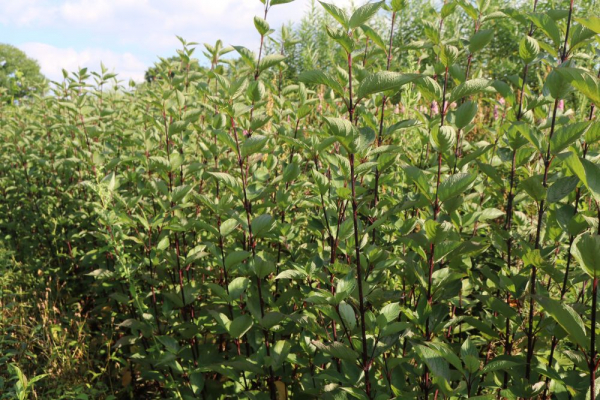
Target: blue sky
[(129, 35)]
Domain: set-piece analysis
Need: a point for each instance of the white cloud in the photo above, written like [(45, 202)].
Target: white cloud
[(53, 59), (123, 32), (24, 13)]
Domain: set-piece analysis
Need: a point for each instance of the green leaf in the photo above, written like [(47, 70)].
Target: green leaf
[(470, 10), (270, 61), (469, 88), (262, 268), (579, 37), (399, 5), (534, 188), (435, 362), (566, 135), (556, 85), (281, 349), (177, 127), (253, 144), (348, 315), (548, 26), (470, 355), (588, 84), (374, 36), (419, 178), (221, 318), (382, 81), (529, 48), (228, 226), (345, 286), (337, 350), (226, 179), (592, 135), (277, 2), (321, 181), (363, 14), (163, 243), (261, 25), (561, 188), (235, 258), (337, 13), (586, 171), (240, 325), (291, 172), (587, 252), (237, 287), (429, 88), (247, 56), (321, 78), (390, 312), (343, 38), (262, 225), (499, 365), (566, 317), (479, 40), (518, 135), (179, 193), (465, 114), (443, 139), (197, 382), (455, 185), (448, 55), (490, 213), (592, 23)]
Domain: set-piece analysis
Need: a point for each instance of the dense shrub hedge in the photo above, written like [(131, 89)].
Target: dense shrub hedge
[(360, 232)]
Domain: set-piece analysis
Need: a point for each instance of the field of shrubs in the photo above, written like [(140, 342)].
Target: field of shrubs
[(414, 217)]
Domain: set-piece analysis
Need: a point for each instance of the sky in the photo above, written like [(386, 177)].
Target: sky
[(129, 35)]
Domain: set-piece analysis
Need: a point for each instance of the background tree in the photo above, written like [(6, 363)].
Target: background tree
[(170, 66), (19, 74)]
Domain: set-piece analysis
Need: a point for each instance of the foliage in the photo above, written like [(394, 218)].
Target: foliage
[(401, 219), (19, 74)]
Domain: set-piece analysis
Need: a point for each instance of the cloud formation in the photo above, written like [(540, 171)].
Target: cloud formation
[(129, 34), (54, 59)]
